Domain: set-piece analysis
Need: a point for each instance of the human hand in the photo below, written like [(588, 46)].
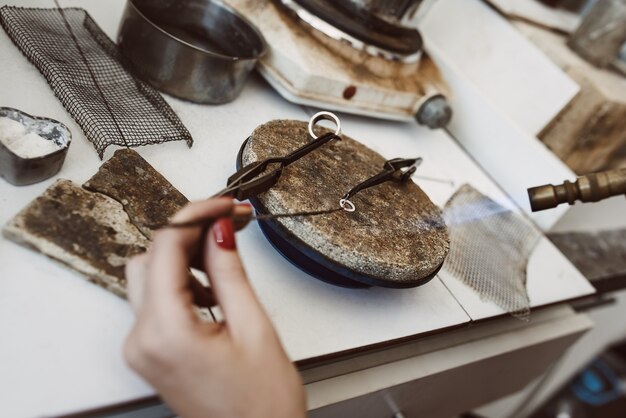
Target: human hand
[(234, 369)]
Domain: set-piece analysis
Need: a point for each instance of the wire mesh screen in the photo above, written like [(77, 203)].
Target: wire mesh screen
[(83, 67), (489, 249)]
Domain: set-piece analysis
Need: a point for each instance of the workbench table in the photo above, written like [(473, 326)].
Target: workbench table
[(61, 337)]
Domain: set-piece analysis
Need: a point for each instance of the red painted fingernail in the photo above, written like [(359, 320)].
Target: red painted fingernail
[(245, 204), (225, 234)]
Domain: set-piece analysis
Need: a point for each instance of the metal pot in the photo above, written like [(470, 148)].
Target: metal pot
[(198, 50)]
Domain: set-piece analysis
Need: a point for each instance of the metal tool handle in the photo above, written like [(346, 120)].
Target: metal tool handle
[(371, 182), (590, 188), (307, 148), (250, 181), (392, 171)]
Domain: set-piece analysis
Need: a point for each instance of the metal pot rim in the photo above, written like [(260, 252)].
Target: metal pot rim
[(226, 7)]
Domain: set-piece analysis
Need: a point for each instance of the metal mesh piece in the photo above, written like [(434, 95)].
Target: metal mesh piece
[(83, 68), (489, 249)]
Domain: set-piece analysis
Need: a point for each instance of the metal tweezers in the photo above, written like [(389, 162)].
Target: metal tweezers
[(397, 169), (255, 178), (250, 180)]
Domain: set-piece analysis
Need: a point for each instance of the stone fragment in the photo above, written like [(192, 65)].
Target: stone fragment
[(87, 231), (148, 198)]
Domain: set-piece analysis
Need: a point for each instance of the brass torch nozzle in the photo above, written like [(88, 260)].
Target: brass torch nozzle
[(589, 188)]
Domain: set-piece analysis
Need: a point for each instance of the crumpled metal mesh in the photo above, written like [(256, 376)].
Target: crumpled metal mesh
[(83, 68), (489, 249)]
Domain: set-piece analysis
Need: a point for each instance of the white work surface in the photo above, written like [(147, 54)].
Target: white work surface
[(519, 76), (62, 336), (504, 91)]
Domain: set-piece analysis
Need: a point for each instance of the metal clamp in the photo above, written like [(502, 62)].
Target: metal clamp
[(258, 177), (398, 170)]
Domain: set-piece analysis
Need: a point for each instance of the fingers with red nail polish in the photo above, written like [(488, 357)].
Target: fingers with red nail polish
[(205, 369), (224, 233)]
